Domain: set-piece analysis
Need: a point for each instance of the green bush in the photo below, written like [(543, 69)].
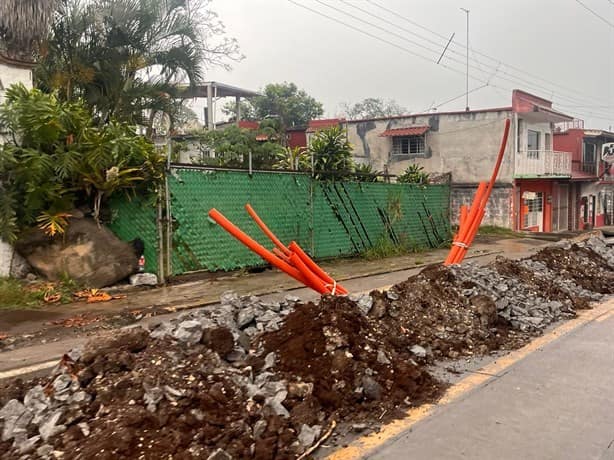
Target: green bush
[(55, 159)]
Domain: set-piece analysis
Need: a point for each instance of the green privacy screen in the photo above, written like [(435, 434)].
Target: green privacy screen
[(328, 219)]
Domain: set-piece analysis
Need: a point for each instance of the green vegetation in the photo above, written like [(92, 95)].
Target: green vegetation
[(56, 159), (16, 294), (332, 154), (282, 101), (498, 231), (295, 159), (384, 247), (372, 107), (125, 57), (414, 174)]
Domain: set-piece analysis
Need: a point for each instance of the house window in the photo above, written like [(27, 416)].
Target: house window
[(532, 140), (408, 145)]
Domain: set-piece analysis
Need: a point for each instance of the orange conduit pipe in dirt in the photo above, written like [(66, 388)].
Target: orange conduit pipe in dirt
[(315, 268), (313, 280), (464, 229), (474, 218), (266, 230), (255, 246)]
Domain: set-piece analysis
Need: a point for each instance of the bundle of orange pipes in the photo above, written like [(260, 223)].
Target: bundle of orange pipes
[(470, 219), (290, 259)]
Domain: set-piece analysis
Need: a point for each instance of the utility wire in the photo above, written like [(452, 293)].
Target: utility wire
[(597, 15), (515, 81), (403, 48), (495, 60)]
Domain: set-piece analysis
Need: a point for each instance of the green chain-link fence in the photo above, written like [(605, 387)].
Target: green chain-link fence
[(328, 219)]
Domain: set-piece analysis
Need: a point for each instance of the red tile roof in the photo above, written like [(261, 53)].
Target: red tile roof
[(412, 131), (247, 124), (316, 125)]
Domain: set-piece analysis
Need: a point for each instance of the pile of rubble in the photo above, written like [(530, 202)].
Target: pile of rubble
[(268, 380)]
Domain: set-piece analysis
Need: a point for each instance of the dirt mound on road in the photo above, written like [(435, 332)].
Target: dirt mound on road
[(354, 365), (580, 264)]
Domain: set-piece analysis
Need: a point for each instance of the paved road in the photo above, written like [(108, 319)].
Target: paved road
[(555, 403)]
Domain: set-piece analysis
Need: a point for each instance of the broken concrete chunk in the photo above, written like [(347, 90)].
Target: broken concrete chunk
[(219, 455), (365, 303), (245, 316), (48, 426), (371, 389), (418, 351), (189, 331), (144, 279), (309, 434)]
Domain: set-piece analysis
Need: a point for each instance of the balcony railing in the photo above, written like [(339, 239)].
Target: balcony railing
[(542, 163), (585, 168)]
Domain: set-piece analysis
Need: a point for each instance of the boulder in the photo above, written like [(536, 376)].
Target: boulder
[(91, 255)]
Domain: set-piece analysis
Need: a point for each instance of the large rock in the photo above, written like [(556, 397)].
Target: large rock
[(91, 255)]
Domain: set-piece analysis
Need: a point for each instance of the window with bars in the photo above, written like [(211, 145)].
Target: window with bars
[(408, 145)]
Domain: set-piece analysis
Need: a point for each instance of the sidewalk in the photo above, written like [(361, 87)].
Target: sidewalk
[(203, 292)]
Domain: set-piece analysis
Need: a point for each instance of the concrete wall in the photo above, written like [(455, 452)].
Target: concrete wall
[(463, 143), (10, 75), (498, 210)]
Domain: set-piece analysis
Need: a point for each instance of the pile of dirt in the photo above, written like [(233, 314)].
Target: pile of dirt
[(353, 365), (538, 284), (250, 379), (431, 311), (581, 264)]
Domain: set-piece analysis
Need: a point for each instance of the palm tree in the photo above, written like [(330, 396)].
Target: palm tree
[(125, 57), (23, 24)]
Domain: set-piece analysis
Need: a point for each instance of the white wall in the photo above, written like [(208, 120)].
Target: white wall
[(8, 76), (465, 144)]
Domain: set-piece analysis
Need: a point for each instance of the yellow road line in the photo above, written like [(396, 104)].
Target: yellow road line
[(366, 444)]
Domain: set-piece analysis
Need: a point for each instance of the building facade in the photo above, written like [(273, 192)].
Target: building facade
[(532, 190), (592, 179)]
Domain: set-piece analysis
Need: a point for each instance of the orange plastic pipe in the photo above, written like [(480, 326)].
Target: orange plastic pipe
[(313, 281), (463, 215), (266, 230), (315, 268), (255, 247), (464, 230), (281, 255), (468, 238)]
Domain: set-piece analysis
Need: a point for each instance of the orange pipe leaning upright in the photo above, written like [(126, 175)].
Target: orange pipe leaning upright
[(266, 230), (464, 230), (475, 219), (463, 215), (315, 268), (255, 247)]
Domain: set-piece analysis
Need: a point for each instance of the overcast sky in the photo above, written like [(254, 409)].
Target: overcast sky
[(556, 49)]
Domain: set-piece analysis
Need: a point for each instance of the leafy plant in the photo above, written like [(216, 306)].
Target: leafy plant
[(294, 159), (366, 173), (125, 57), (52, 224), (55, 159), (332, 153), (414, 174)]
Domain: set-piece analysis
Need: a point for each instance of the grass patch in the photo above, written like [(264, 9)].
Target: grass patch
[(498, 231), (384, 247), (16, 294)]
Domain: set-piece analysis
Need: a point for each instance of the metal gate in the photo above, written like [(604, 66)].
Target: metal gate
[(560, 208)]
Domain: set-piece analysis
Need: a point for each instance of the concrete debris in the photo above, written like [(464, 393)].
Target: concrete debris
[(418, 351), (219, 454), (284, 368), (189, 331), (309, 434), (144, 279)]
